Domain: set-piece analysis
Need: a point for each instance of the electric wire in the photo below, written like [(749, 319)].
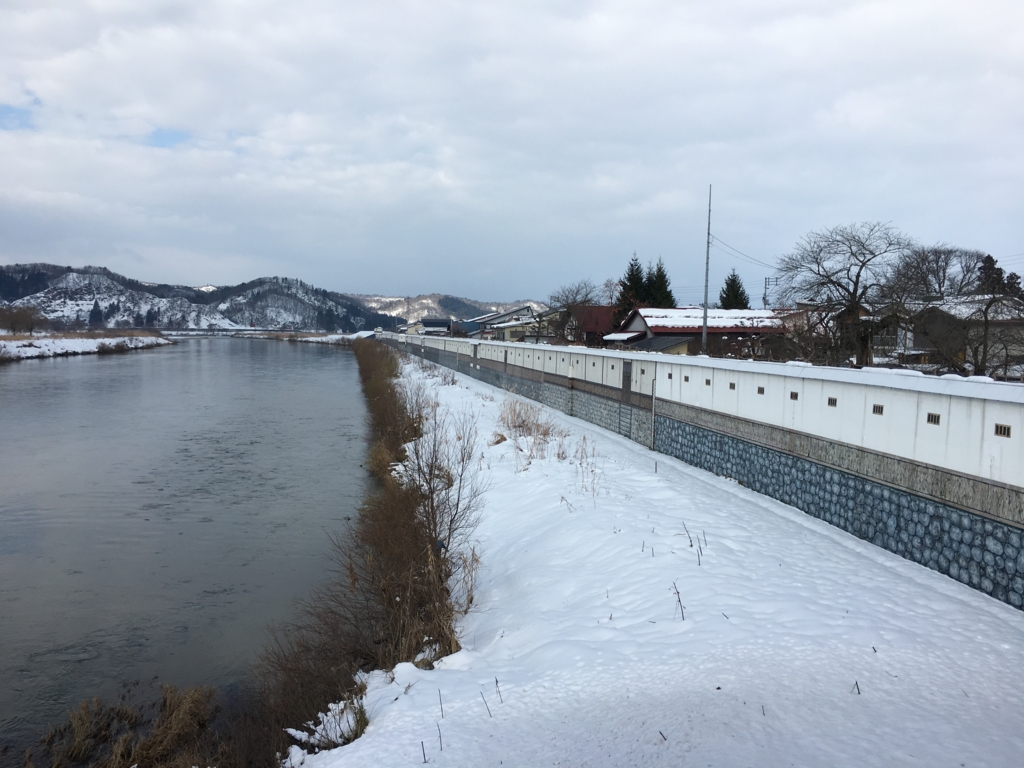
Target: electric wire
[(737, 252)]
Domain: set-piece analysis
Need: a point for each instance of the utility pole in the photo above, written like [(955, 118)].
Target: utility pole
[(769, 282), (707, 264)]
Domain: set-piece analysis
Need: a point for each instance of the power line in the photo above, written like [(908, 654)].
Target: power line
[(737, 252)]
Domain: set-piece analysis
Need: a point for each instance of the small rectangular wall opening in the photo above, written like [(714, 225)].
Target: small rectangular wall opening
[(760, 390), (934, 418), (833, 402), (707, 382), (794, 395), (1002, 430), (732, 385), (877, 409), (686, 379)]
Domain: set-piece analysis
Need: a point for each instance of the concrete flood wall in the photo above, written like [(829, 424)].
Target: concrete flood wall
[(967, 527)]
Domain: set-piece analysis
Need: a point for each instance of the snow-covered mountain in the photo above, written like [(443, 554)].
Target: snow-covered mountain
[(95, 296), (439, 305)]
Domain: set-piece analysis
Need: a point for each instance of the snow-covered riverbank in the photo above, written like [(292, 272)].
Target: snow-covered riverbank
[(789, 642), (64, 346)]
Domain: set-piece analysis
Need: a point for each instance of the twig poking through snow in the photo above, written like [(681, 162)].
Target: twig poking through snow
[(440, 702), (498, 689), (485, 704), (688, 534), (424, 750), (440, 743), (856, 687), (679, 601), (663, 736)]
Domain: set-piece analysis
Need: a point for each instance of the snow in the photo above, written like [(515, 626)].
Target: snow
[(693, 317), (622, 336), (801, 645), (58, 346)]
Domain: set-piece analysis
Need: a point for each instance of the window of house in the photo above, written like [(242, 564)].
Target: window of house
[(794, 395), (877, 409), (760, 390), (1002, 430), (934, 418), (833, 402), (707, 382), (732, 385), (686, 379)]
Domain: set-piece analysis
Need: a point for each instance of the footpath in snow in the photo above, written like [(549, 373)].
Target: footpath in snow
[(801, 645), (58, 346)]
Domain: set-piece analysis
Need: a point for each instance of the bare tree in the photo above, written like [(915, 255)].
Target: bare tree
[(937, 271), (842, 271), (567, 299), (607, 292)]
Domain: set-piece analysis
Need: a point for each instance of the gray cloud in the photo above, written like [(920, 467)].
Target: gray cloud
[(498, 149)]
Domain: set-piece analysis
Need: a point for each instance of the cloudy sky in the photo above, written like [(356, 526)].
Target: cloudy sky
[(498, 149)]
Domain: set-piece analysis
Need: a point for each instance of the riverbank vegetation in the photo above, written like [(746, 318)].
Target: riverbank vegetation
[(401, 578)]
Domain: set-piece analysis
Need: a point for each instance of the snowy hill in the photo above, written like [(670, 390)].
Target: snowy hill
[(439, 305), (95, 296)]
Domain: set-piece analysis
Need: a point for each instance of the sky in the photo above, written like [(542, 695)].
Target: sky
[(498, 150)]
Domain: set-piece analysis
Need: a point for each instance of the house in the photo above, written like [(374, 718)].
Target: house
[(512, 325), (435, 326), (679, 331), (983, 334), (591, 324)]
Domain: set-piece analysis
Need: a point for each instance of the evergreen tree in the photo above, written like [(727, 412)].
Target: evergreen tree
[(733, 295), (657, 284), (632, 290), (96, 314)]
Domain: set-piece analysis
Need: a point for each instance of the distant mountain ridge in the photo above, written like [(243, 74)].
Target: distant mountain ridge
[(414, 308), (98, 297)]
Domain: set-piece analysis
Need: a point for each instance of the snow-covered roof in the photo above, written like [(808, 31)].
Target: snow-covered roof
[(622, 336), (690, 319)]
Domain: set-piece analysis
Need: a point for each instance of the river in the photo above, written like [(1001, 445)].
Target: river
[(159, 509)]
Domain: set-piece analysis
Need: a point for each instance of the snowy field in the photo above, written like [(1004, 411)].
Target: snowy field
[(56, 346), (801, 645)]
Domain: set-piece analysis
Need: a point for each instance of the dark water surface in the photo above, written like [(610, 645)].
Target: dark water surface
[(159, 509)]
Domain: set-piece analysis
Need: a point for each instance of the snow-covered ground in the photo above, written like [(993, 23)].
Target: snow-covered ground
[(801, 645), (59, 346)]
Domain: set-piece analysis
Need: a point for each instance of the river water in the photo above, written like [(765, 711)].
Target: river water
[(159, 509)]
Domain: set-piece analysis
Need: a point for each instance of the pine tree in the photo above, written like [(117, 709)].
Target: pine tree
[(659, 292), (733, 294), (96, 314), (632, 290)]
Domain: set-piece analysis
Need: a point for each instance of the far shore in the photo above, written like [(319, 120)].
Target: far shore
[(14, 347)]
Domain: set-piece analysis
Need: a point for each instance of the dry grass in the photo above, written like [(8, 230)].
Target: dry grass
[(530, 432), (116, 736)]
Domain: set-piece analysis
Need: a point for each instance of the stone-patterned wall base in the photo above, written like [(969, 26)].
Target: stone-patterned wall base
[(982, 553)]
